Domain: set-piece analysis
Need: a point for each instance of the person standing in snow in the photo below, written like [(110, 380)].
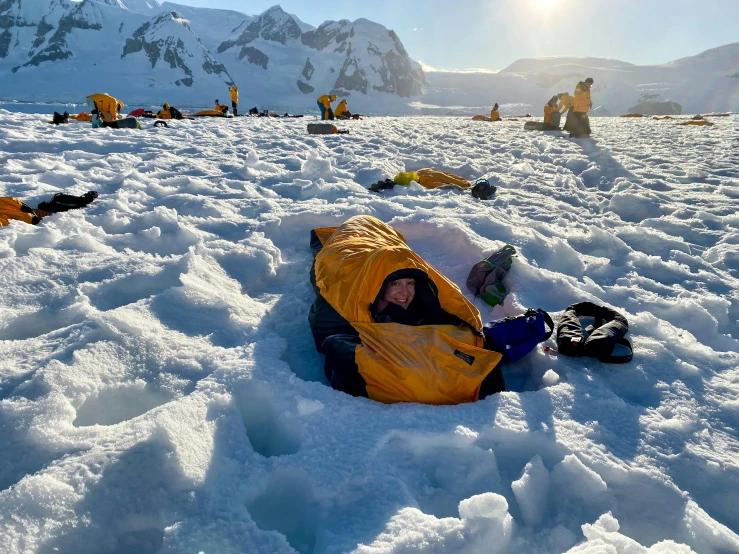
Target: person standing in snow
[(234, 92), (324, 104), (495, 114), (583, 103)]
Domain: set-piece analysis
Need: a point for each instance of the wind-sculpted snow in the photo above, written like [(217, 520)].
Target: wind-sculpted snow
[(160, 391)]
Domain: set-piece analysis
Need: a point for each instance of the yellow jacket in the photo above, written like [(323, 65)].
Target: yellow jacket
[(234, 92), (340, 109), (566, 102), (582, 99), (108, 107), (548, 111), (326, 100), (12, 208), (494, 114), (164, 113), (433, 364)]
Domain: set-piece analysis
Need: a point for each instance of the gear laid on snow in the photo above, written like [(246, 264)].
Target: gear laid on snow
[(14, 209), (515, 336), (486, 276), (601, 340)]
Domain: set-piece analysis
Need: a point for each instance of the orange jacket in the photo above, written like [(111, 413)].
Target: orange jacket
[(12, 208), (164, 113), (432, 364), (326, 100), (234, 92), (494, 114)]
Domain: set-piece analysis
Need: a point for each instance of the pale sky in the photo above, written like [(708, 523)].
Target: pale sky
[(462, 34)]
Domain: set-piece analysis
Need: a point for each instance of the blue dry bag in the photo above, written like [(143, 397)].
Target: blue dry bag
[(516, 336)]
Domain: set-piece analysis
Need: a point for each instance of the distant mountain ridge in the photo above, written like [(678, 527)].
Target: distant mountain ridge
[(147, 52), (144, 51)]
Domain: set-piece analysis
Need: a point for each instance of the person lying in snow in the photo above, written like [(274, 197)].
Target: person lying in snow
[(393, 328), (15, 209), (169, 112)]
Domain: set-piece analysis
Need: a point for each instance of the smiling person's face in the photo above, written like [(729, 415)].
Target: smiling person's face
[(400, 292)]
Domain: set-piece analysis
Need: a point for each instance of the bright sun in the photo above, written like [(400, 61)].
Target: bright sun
[(545, 3)]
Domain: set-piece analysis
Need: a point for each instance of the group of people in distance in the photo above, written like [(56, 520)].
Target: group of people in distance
[(327, 112), (577, 108)]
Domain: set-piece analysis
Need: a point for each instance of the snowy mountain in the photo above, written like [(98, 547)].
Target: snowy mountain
[(71, 49), (702, 83), (357, 59), (144, 51)]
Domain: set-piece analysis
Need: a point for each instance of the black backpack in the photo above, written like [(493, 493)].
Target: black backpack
[(598, 340), (175, 113), (64, 202)]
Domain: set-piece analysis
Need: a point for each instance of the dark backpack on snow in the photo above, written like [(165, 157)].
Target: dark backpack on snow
[(597, 341)]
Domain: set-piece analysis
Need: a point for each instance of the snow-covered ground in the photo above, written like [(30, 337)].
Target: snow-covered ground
[(161, 392)]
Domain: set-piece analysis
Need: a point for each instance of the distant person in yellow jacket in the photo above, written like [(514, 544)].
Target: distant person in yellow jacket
[(495, 114), (341, 110), (324, 104), (164, 113), (234, 92), (551, 108), (583, 103), (566, 103)]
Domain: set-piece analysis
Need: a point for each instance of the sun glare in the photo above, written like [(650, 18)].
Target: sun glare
[(545, 3)]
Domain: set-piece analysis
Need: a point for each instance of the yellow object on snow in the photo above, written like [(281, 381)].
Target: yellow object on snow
[(431, 178), (13, 209), (432, 364), (698, 122)]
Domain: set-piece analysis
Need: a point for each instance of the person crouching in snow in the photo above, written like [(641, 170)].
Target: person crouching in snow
[(550, 108), (324, 104), (495, 114), (341, 111), (234, 92)]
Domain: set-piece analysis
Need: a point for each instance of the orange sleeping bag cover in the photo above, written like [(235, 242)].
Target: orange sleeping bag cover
[(432, 364)]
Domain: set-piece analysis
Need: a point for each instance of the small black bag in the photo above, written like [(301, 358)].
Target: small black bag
[(64, 202), (597, 341)]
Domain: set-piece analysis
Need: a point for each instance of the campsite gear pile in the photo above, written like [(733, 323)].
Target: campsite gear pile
[(516, 336), (435, 179)]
